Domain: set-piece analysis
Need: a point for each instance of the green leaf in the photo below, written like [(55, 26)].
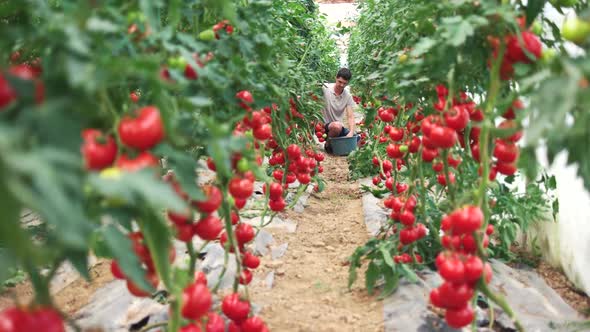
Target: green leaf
[(533, 8), (79, 260), (11, 234), (137, 187), (200, 101), (7, 265), (121, 250), (352, 275), (97, 24), (263, 38), (157, 235), (184, 169), (371, 276), (391, 281), (456, 30), (408, 273), (423, 46), (386, 255), (552, 183), (555, 209)]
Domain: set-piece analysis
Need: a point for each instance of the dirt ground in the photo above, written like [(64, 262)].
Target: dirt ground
[(559, 282), (309, 291), (70, 299)]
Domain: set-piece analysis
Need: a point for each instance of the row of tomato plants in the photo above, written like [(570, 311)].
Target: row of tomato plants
[(106, 111), (445, 88)]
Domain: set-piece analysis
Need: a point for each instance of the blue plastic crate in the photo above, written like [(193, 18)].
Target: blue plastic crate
[(342, 146)]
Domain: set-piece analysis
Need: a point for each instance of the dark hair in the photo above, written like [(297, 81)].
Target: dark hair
[(344, 73)]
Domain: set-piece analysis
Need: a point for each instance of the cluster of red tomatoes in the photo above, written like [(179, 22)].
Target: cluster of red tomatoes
[(524, 47), (459, 265), (138, 134), (18, 319), (197, 302), (403, 212), (292, 165), (28, 72), (143, 253)]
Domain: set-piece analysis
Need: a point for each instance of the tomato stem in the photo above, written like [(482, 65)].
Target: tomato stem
[(450, 186), (500, 301), (484, 139), (153, 326)]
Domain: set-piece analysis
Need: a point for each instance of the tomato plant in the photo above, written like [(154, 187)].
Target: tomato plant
[(445, 89), (106, 112)]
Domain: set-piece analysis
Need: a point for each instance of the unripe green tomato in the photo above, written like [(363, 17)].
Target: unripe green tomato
[(207, 35), (135, 16), (548, 55), (403, 148), (112, 173), (173, 62), (537, 28), (325, 135), (243, 165), (402, 58), (575, 30)]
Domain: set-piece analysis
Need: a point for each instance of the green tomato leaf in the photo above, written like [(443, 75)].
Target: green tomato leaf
[(121, 249), (137, 187), (371, 276), (157, 235), (533, 8)]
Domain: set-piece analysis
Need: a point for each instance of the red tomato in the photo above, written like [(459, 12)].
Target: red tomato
[(46, 320), (15, 320), (241, 188), (99, 151), (143, 160), (213, 200), (196, 301), (234, 308), (428, 155), (190, 328), (245, 277), (459, 318), (245, 96), (27, 73), (473, 268), (250, 261), (505, 152), (457, 118), (190, 73), (443, 137), (253, 324), (276, 191), (134, 97), (396, 134), (277, 205), (143, 132), (263, 132), (452, 270), (115, 271), (407, 218), (7, 93), (215, 323), (244, 233), (208, 228)]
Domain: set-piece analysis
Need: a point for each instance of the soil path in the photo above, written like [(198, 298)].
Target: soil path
[(309, 291)]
